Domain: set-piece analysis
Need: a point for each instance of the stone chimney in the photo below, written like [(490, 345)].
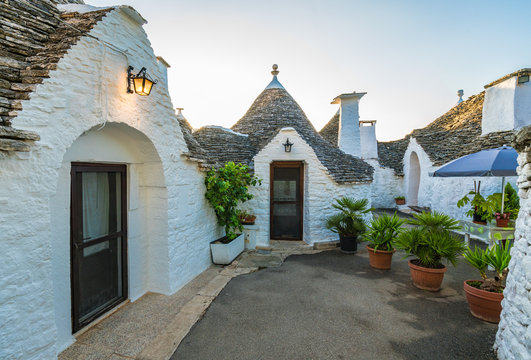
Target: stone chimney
[(349, 139), (369, 146), (507, 104)]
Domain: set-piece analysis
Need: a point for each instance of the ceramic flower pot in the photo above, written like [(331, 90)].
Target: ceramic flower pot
[(400, 201), (426, 278), (348, 244), (380, 259), (502, 220), (484, 305)]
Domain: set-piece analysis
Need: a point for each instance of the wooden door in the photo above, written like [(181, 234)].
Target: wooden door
[(286, 182), (98, 240)]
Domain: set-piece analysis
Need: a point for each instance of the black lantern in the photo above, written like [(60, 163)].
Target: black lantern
[(287, 145), (141, 82)]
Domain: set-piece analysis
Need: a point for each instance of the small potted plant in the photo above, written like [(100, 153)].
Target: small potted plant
[(511, 206), (484, 296), (246, 218), (431, 242), (478, 207), (381, 234), (400, 200), (348, 223), (226, 188)]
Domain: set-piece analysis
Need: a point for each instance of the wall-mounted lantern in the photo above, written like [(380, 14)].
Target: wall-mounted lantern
[(523, 79), (287, 146), (141, 82)]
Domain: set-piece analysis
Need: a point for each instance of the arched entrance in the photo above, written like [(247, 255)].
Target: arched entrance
[(413, 180), (110, 208)]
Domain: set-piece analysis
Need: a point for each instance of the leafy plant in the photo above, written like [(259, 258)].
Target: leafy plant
[(382, 232), (511, 202), (226, 188), (349, 220), (498, 257), (400, 197), (431, 240), (478, 206)]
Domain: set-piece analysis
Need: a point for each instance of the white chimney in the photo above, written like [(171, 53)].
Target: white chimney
[(507, 104), (349, 139), (369, 146)]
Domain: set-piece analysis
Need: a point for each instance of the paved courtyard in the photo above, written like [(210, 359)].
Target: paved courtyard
[(334, 306)]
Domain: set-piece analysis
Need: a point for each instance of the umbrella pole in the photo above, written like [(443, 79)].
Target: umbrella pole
[(503, 194)]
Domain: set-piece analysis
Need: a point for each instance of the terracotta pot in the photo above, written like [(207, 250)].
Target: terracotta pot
[(380, 259), (348, 244), (484, 305), (426, 278), (248, 220), (400, 201), (502, 220)]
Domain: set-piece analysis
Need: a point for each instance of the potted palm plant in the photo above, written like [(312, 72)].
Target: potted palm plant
[(348, 222), (226, 188), (484, 296), (431, 242), (381, 234)]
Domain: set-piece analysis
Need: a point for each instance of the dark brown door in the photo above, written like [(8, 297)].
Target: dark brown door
[(286, 200), (98, 240)]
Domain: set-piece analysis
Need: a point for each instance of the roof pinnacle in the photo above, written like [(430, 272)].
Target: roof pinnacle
[(275, 70)]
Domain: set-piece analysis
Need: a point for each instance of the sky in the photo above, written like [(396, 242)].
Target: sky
[(410, 57)]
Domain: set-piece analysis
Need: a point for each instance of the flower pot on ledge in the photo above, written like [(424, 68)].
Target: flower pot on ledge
[(502, 220), (224, 254), (400, 201)]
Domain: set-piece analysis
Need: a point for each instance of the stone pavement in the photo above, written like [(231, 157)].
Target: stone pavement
[(334, 306), (153, 326)]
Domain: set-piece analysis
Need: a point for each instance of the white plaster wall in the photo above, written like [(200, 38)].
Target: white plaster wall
[(349, 131), (319, 188), (385, 186), (522, 105), (369, 147), (88, 89), (442, 194), (499, 107), (513, 340)]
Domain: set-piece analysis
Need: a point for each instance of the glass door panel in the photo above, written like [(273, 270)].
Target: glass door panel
[(98, 240)]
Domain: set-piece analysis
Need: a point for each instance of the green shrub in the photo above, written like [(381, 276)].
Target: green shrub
[(349, 221), (498, 257), (382, 232), (431, 241), (226, 188)]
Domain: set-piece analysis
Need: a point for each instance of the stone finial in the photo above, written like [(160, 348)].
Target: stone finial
[(275, 70), (275, 84), (460, 93), (180, 115)]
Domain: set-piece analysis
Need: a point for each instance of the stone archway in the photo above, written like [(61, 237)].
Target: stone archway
[(147, 213), (413, 180)]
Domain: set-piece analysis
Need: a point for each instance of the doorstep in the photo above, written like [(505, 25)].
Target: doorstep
[(153, 326)]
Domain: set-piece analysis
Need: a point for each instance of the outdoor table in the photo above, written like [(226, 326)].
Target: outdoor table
[(489, 234)]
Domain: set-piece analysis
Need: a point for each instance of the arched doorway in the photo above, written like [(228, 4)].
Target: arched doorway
[(116, 159), (413, 180)]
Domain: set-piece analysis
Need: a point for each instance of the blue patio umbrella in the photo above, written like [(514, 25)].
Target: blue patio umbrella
[(491, 162)]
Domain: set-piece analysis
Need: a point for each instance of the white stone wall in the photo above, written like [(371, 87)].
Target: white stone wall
[(507, 106), (385, 186), (442, 194), (319, 188), (170, 222), (513, 340)]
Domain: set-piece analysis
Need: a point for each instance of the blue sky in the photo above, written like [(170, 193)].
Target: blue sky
[(410, 57)]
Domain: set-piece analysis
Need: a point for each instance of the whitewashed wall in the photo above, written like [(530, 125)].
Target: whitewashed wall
[(507, 106), (86, 91), (319, 188), (442, 194), (513, 340), (385, 186)]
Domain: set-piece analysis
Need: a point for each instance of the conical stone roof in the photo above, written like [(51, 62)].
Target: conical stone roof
[(275, 109)]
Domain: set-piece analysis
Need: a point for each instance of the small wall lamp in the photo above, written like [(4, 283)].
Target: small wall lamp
[(287, 145), (141, 82)]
